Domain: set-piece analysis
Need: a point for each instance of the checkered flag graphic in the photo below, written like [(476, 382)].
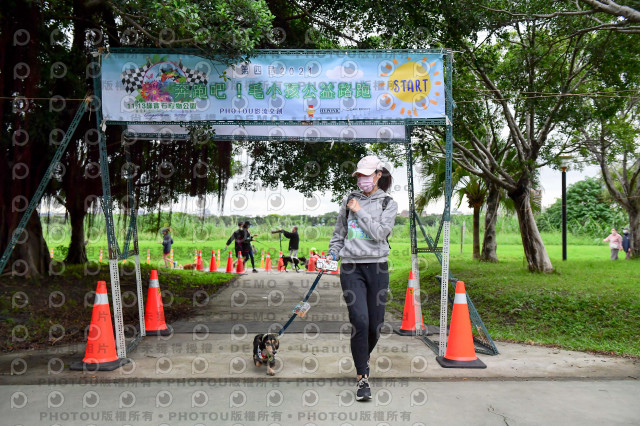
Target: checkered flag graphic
[(193, 76), (132, 78)]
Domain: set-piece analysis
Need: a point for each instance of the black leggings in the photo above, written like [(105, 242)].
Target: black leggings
[(364, 288), (246, 255)]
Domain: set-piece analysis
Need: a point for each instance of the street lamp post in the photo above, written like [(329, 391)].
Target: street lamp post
[(564, 213), (564, 165)]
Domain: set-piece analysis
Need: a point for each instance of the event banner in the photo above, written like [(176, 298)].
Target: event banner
[(160, 86)]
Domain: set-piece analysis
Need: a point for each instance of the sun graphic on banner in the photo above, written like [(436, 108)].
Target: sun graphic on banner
[(413, 84)]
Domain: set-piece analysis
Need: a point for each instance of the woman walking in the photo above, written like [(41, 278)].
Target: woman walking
[(615, 243), (360, 240)]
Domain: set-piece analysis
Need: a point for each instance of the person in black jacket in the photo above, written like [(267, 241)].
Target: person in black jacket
[(247, 249), (294, 241), (166, 246), (238, 237), (626, 243)]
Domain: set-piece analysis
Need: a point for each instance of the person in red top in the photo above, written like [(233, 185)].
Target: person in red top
[(615, 243)]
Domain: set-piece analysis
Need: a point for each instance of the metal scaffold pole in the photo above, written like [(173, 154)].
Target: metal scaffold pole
[(415, 265), (133, 227), (35, 200), (107, 207), (446, 218)]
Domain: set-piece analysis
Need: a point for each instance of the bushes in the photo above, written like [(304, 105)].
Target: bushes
[(589, 212)]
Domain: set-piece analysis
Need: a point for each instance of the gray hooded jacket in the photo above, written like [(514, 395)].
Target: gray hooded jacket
[(364, 238)]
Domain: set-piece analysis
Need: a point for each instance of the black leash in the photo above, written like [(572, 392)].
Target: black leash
[(313, 286)]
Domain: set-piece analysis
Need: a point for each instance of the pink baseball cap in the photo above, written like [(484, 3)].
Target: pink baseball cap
[(368, 165)]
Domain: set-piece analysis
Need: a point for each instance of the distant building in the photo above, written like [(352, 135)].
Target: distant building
[(404, 213)]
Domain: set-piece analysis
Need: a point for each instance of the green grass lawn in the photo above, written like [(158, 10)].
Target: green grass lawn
[(589, 303), (66, 300)]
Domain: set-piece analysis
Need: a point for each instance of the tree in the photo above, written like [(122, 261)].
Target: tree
[(626, 17), (588, 209), (476, 194), (51, 54), (462, 184), (529, 67), (613, 144), (306, 167), (606, 127), (25, 154)]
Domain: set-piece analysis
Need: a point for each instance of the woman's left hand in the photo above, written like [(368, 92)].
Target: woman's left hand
[(353, 205)]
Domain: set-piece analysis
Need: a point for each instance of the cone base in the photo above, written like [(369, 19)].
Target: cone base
[(165, 332), (98, 366), (401, 332), (448, 363)]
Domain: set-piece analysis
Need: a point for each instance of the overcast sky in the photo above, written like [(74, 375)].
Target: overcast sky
[(289, 202)]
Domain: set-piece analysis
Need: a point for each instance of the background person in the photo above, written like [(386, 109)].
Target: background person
[(238, 238), (615, 243), (626, 243), (247, 249), (360, 236), (166, 246), (294, 241)]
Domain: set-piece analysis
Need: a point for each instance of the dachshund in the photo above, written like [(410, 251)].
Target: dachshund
[(265, 347)]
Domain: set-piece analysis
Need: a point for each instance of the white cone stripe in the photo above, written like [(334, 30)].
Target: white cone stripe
[(154, 283), (410, 284), (460, 299), (101, 299)]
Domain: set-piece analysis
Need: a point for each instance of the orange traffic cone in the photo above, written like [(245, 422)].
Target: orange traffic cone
[(240, 264), (100, 354), (154, 322), (312, 264), (199, 265), (213, 266), (461, 352), (408, 327), (280, 263), (229, 263), (267, 265)]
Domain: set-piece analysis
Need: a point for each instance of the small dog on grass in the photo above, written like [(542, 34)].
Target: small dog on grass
[(296, 261), (265, 347), (190, 266)]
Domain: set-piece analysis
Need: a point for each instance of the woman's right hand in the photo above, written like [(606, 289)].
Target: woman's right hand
[(329, 256)]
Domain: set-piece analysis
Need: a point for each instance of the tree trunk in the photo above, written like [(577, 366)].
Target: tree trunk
[(476, 231), (634, 223), (30, 257), (534, 250), (489, 243), (77, 251)]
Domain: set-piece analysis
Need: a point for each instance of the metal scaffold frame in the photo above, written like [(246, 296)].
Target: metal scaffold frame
[(485, 342)]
